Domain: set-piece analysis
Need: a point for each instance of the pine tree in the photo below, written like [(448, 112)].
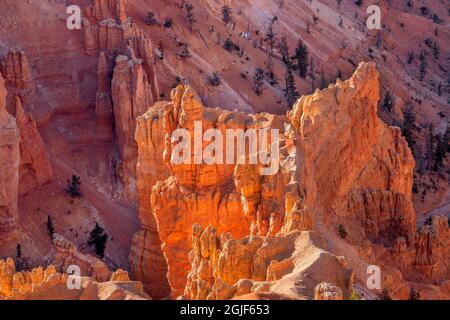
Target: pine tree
[(429, 155), (227, 14), (190, 14), (284, 50), (414, 294), (388, 101), (342, 231), (409, 125), (258, 81), (442, 148), (269, 73), (98, 238), (20, 262), (323, 80), (301, 56), (18, 251), (423, 65), (50, 227), (290, 92), (184, 51), (385, 295), (73, 187), (271, 35), (436, 50)]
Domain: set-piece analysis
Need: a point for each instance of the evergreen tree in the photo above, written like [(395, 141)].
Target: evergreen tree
[(385, 295), (271, 35), (429, 154), (98, 238), (18, 251), (20, 262), (50, 227), (258, 81), (423, 65), (342, 231), (269, 73), (414, 294), (409, 125), (301, 56), (436, 50), (284, 50), (227, 14), (323, 80), (442, 148), (190, 14), (388, 101), (290, 91), (73, 187), (184, 50)]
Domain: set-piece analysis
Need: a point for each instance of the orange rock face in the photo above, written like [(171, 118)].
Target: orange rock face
[(35, 169), (230, 197), (9, 175), (48, 284), (319, 182), (127, 83)]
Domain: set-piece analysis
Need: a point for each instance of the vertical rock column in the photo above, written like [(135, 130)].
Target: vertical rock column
[(9, 169)]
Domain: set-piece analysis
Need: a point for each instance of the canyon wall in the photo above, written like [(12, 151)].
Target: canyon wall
[(127, 83), (9, 174), (35, 169)]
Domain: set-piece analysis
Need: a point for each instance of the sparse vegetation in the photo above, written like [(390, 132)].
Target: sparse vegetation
[(410, 57), (19, 261), (384, 295), (269, 73), (50, 227), (442, 148), (388, 101), (151, 19), (290, 91), (168, 23), (190, 14), (342, 231), (423, 65), (436, 50), (414, 294), (98, 238), (214, 80), (229, 45), (270, 37), (258, 81), (409, 125), (73, 187), (428, 221), (184, 50), (284, 49), (227, 14), (301, 56)]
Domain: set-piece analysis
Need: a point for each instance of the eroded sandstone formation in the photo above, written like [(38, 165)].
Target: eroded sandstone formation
[(48, 284), (339, 164), (127, 83), (9, 174), (291, 265), (65, 253), (229, 197), (35, 168)]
